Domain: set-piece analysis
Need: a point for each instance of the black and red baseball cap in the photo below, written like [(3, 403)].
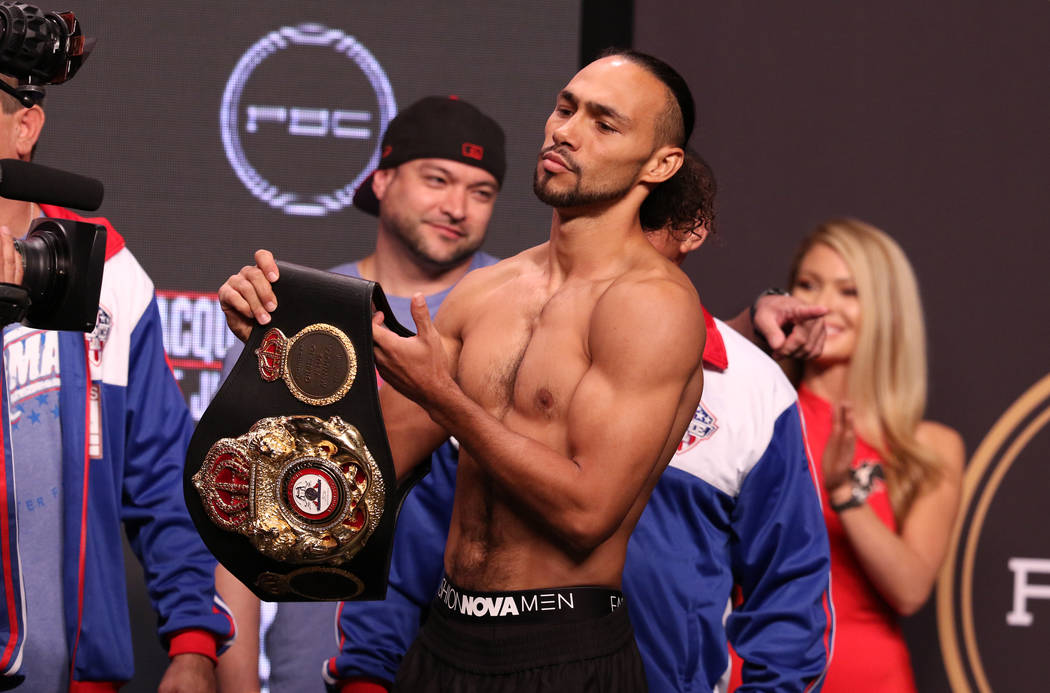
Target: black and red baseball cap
[(438, 127)]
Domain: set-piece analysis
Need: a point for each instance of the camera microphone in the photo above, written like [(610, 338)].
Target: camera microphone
[(21, 180)]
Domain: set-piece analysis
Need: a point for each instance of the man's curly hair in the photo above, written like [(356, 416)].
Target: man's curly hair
[(684, 202)]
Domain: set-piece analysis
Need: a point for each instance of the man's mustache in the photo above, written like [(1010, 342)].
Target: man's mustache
[(562, 153)]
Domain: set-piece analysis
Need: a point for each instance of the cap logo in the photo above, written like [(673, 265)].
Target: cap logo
[(473, 151), (386, 151)]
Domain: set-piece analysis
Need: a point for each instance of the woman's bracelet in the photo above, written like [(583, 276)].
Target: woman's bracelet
[(858, 494)]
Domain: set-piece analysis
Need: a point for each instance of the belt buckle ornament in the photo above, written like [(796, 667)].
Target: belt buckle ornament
[(302, 490)]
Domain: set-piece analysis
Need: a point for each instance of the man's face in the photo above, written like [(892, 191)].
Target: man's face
[(600, 135), (436, 208)]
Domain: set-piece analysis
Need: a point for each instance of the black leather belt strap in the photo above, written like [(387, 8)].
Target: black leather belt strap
[(289, 477)]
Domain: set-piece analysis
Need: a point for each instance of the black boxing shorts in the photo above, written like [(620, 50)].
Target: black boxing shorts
[(550, 640)]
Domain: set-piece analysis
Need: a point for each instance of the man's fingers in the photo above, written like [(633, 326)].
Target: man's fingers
[(7, 257), (421, 315), (808, 311), (263, 289), (240, 292), (767, 325), (815, 339), (264, 261), (818, 345), (237, 312)]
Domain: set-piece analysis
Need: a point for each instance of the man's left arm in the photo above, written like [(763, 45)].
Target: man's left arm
[(194, 624), (782, 630), (644, 364)]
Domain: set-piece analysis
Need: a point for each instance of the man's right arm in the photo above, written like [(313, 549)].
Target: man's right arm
[(783, 325), (248, 298)]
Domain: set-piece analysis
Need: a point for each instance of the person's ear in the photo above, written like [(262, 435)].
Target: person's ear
[(663, 164), (381, 181), (29, 123), (693, 240)]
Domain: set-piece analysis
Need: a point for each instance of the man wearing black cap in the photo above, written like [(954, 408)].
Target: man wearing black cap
[(568, 374), (434, 190)]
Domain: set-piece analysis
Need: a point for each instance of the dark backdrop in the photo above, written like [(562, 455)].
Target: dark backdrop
[(157, 109), (928, 120)]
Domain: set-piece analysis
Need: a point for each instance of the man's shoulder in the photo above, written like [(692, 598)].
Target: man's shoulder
[(653, 294)]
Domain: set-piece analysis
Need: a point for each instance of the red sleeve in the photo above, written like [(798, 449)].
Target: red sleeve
[(193, 642)]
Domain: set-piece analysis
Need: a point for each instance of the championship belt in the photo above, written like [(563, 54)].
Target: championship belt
[(289, 477)]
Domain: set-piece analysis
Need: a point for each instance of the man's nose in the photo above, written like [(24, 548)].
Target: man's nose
[(454, 203)]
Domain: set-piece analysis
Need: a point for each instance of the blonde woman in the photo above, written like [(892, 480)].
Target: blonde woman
[(891, 480)]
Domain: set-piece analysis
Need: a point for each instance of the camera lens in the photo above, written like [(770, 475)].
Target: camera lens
[(41, 267)]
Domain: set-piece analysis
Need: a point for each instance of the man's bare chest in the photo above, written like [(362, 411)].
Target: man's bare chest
[(526, 356)]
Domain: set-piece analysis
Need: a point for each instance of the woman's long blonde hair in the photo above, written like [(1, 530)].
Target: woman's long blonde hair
[(887, 375)]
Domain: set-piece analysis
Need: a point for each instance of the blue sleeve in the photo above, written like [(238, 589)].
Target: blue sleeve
[(782, 628), (374, 635), (179, 570)]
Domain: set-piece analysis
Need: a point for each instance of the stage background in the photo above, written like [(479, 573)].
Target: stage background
[(930, 122), (150, 115)]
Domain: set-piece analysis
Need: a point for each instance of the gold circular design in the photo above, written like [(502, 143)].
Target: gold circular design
[(986, 454), (297, 373)]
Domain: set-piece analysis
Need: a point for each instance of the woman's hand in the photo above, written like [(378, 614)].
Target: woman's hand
[(839, 452)]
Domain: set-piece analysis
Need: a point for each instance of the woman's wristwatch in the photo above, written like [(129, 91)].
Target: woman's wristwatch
[(858, 495)]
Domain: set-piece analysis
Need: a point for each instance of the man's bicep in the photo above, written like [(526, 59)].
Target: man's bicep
[(631, 402)]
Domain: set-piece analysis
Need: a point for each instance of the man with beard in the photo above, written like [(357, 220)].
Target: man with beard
[(434, 190), (568, 374), (711, 525)]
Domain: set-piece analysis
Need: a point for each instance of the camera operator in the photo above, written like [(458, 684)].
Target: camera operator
[(94, 431)]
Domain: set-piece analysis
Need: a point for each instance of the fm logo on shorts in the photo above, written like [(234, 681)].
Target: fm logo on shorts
[(702, 427), (302, 116)]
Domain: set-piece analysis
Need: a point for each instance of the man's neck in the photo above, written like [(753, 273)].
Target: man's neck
[(595, 243), (401, 274), (17, 215)]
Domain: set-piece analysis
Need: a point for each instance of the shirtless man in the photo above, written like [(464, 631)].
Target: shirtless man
[(568, 374)]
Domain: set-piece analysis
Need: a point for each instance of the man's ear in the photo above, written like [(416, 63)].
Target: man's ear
[(381, 181), (663, 164), (30, 121), (693, 240)]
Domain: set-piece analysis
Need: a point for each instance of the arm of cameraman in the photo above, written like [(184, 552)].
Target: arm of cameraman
[(10, 259)]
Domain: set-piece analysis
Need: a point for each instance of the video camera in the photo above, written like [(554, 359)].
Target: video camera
[(62, 259)]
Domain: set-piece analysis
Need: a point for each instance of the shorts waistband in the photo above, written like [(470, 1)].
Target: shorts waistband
[(545, 605)]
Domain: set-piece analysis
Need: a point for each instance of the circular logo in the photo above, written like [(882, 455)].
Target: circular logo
[(312, 492), (321, 364), (280, 117), (993, 592)]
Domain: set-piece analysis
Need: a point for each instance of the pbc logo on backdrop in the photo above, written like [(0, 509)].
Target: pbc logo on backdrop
[(702, 427), (262, 139)]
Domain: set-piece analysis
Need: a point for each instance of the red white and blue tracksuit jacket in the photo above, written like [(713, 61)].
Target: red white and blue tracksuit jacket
[(737, 512), (125, 428)]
